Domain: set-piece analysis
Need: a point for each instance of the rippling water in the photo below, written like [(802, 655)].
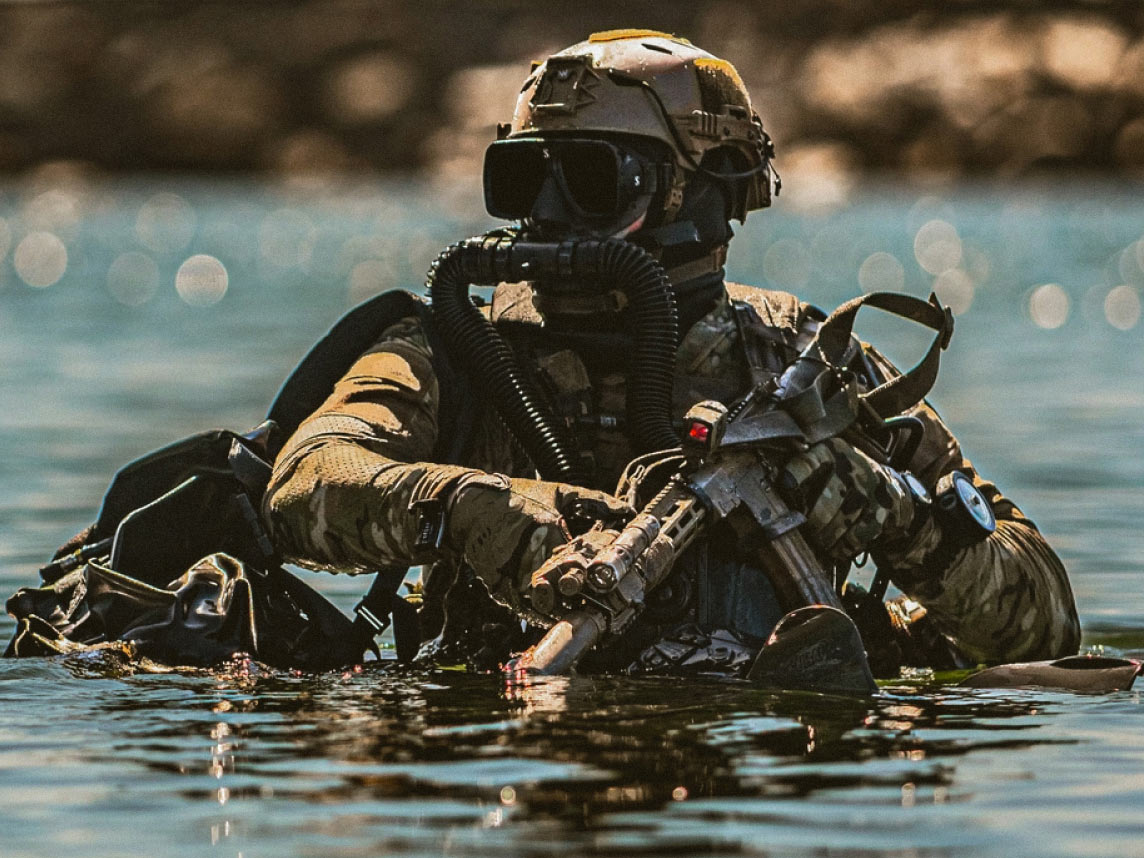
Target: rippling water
[(133, 314)]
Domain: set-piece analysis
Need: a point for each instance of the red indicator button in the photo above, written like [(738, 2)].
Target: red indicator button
[(698, 432)]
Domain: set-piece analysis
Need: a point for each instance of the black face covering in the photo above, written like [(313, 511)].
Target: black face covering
[(701, 225)]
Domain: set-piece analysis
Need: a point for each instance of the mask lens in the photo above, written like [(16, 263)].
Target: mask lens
[(514, 173), (591, 176)]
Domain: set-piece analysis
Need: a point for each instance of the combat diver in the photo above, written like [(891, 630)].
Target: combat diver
[(641, 136)]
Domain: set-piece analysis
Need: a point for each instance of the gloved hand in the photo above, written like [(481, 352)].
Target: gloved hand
[(851, 502), (506, 528)]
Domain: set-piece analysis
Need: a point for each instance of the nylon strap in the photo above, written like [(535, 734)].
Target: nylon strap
[(380, 606), (903, 392), (708, 264)]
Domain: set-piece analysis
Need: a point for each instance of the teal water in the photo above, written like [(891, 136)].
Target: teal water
[(120, 344)]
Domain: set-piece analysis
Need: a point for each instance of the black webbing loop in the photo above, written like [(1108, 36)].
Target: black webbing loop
[(380, 605)]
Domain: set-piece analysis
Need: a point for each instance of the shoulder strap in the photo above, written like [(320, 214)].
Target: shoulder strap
[(311, 381), (815, 405), (314, 377)]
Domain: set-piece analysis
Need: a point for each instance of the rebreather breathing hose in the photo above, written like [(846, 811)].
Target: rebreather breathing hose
[(477, 347)]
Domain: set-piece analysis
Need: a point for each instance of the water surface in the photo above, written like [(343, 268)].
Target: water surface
[(102, 358)]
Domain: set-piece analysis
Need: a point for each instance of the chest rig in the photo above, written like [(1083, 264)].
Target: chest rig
[(750, 336)]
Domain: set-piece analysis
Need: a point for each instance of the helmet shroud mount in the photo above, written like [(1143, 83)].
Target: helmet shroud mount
[(648, 84)]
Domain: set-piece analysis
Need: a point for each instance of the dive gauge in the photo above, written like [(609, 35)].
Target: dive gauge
[(962, 511)]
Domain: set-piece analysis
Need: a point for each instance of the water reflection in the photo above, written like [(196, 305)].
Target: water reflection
[(1122, 306), (881, 272), (40, 259), (165, 223), (201, 280), (1049, 306), (133, 278), (584, 764)]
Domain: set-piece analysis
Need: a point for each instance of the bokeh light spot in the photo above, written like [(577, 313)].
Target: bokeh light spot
[(201, 280), (284, 238), (787, 264), (1049, 306), (40, 259), (165, 223), (133, 278), (55, 209), (1130, 264), (1122, 307), (881, 271), (831, 252), (954, 288), (937, 246), (5, 238), (369, 278), (926, 209), (977, 265)]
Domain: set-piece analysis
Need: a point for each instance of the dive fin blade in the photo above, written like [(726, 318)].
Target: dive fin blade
[(1085, 674), (816, 648)]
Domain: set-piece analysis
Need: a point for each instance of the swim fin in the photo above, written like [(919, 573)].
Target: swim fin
[(816, 648)]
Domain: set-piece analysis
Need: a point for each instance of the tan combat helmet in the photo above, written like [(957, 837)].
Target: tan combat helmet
[(654, 85)]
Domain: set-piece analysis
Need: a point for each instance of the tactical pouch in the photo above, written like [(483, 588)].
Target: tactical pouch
[(178, 564), (177, 561)]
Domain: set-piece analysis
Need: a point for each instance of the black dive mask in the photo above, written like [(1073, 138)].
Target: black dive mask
[(570, 186)]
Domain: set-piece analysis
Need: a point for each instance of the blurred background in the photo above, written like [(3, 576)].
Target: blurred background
[(326, 96), (1000, 88)]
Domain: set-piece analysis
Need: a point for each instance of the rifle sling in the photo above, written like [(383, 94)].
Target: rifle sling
[(903, 392)]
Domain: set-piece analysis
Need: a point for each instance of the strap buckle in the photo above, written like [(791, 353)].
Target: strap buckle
[(378, 624)]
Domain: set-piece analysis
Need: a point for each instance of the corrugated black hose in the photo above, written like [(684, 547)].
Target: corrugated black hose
[(476, 346)]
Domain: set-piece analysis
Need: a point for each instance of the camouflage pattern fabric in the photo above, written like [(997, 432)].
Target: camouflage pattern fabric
[(851, 501), (344, 488)]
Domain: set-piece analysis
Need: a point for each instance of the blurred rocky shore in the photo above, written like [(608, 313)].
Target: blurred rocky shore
[(845, 86)]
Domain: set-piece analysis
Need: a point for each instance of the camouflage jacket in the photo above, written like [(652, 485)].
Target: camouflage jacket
[(344, 486)]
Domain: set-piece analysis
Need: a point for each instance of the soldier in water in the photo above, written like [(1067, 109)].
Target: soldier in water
[(640, 136)]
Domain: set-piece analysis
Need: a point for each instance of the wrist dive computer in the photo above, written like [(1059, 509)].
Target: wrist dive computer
[(962, 512)]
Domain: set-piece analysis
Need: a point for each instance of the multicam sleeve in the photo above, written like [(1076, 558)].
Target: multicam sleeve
[(1007, 598), (343, 488)]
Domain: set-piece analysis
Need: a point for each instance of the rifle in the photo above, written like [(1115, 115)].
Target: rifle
[(599, 582), (725, 475)]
